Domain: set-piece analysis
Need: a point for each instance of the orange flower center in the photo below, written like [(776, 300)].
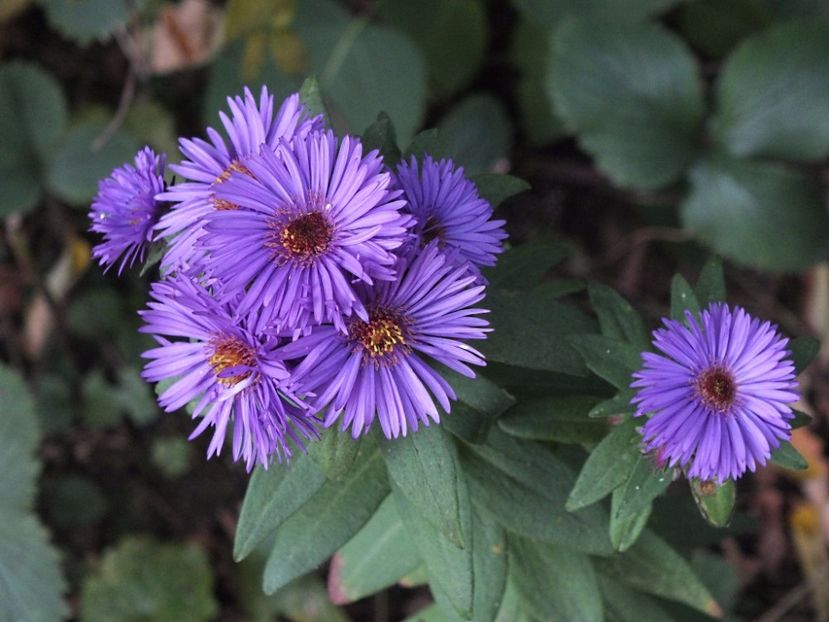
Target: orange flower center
[(381, 337), (306, 236), (230, 352)]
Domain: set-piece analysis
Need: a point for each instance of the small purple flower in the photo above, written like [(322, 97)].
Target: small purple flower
[(381, 366), (719, 396), (313, 218), (447, 208), (235, 376), (208, 164), (125, 210)]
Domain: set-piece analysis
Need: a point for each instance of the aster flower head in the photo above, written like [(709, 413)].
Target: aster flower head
[(313, 218), (209, 163), (125, 210), (235, 375), (447, 208), (718, 394), (381, 367)]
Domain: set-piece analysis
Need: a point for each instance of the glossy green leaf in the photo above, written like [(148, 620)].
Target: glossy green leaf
[(618, 405), (273, 495), (382, 136), (523, 267), (683, 299), (427, 142), (625, 528), (804, 350), (329, 519), (335, 452), (32, 120), (559, 419), (607, 467), (715, 502), (711, 283), (477, 133), (631, 93), (379, 555), (425, 467), (734, 207), (643, 485), (554, 582), (655, 568), (497, 188), (141, 579), (788, 457), (617, 318), (608, 358), (774, 91)]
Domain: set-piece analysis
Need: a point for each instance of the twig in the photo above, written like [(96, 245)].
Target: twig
[(127, 97)]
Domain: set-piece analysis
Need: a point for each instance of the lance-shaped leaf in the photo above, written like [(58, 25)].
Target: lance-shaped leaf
[(608, 358), (715, 503), (617, 318)]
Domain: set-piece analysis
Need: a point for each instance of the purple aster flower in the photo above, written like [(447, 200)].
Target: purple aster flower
[(313, 218), (447, 208), (208, 164), (125, 210), (235, 376), (381, 366), (719, 393)]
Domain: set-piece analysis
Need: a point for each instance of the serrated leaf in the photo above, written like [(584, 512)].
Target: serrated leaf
[(335, 452), (381, 135), (788, 457), (625, 528), (522, 267), (617, 318), (607, 467), (804, 350), (554, 582), (655, 568), (379, 555), (715, 502), (734, 207), (497, 188), (477, 133), (608, 358), (631, 93), (618, 405), (683, 299), (328, 520), (711, 282), (531, 330), (643, 485), (148, 580), (32, 119), (18, 440), (273, 495), (773, 93), (558, 419), (425, 467)]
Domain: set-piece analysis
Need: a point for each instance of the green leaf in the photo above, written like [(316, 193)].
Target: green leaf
[(76, 169), (87, 20), (497, 188), (489, 562), (477, 133), (711, 282), (716, 26), (32, 120), (559, 419), (655, 568), (632, 95), (555, 583), (382, 136), (273, 495), (804, 350), (451, 34), (172, 455), (74, 501), (788, 457), (773, 94), (607, 467), (608, 358), (800, 420), (683, 299), (328, 520), (617, 318), (531, 329), (379, 555), (625, 605), (618, 405), (311, 98), (643, 485), (424, 466), (450, 569), (102, 402), (523, 267), (18, 441), (734, 207), (715, 503), (141, 579), (135, 397), (524, 486), (335, 452), (551, 11), (626, 528), (427, 142), (481, 402)]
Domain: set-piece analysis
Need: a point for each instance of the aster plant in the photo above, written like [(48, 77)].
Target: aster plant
[(404, 385)]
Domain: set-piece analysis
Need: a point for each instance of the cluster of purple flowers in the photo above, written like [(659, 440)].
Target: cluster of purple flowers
[(304, 282)]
